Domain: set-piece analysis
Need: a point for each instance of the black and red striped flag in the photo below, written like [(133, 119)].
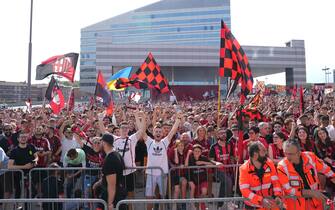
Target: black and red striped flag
[(149, 75), (63, 65), (234, 63)]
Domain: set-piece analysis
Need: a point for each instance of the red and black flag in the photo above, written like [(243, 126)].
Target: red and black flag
[(55, 96), (253, 114), (63, 65), (234, 63), (149, 75), (255, 101), (70, 103), (302, 103), (101, 91)]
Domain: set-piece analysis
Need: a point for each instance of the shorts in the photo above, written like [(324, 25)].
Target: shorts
[(152, 182), (129, 182)]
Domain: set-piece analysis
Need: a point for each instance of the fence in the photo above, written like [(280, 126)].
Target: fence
[(203, 180), (229, 203), (11, 183), (186, 204), (78, 182), (52, 204)]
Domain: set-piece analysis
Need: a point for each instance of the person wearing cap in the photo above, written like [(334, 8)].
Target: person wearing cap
[(113, 186), (126, 146)]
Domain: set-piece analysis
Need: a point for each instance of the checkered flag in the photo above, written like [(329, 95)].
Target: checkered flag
[(234, 63), (149, 75)]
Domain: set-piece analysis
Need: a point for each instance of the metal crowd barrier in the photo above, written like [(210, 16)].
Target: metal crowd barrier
[(140, 178), (229, 203), (186, 204), (12, 183), (219, 180), (74, 182), (78, 182), (52, 204)]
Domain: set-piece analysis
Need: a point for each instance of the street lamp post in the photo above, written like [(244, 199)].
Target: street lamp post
[(326, 73), (30, 48)]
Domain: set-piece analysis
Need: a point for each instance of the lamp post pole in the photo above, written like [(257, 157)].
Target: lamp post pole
[(325, 70), (30, 48)]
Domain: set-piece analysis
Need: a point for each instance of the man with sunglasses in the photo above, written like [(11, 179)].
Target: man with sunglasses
[(9, 139), (125, 145)]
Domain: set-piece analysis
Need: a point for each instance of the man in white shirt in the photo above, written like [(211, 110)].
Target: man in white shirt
[(125, 146), (157, 157), (329, 127), (67, 140)]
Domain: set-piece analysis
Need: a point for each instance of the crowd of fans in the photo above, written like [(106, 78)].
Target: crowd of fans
[(163, 135)]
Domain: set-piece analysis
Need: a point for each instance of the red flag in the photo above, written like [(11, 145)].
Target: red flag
[(63, 65), (101, 91), (234, 63), (57, 102), (70, 103)]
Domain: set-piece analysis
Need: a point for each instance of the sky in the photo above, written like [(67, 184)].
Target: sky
[(57, 24)]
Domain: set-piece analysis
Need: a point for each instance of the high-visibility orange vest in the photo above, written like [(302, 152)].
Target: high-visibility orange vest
[(254, 188), (293, 184)]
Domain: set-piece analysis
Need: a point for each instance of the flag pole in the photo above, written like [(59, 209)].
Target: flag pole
[(219, 101), (174, 95)]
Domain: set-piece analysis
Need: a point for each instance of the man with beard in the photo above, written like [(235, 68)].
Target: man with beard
[(223, 152), (23, 157), (157, 157), (298, 173), (9, 139), (43, 151), (259, 180)]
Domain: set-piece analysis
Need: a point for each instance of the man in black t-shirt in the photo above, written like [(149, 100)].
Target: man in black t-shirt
[(52, 187), (113, 189), (24, 157)]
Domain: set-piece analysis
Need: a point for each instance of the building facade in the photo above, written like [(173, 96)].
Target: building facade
[(16, 92), (184, 37)]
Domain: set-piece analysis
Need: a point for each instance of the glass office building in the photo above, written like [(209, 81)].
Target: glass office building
[(184, 37)]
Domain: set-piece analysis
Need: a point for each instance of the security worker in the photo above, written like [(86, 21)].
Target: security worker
[(298, 175), (259, 181)]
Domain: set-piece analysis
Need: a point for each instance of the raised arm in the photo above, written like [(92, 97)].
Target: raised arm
[(293, 128), (174, 129), (61, 129), (140, 123)]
